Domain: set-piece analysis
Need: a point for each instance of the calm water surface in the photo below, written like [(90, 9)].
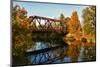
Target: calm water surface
[(53, 52)]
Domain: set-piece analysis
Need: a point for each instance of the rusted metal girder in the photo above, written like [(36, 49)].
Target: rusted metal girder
[(48, 23)]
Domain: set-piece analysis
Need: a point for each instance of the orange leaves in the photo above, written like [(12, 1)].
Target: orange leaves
[(21, 18), (74, 23), (74, 16)]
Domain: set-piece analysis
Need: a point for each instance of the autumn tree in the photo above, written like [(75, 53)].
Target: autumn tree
[(89, 20), (21, 36), (20, 15), (74, 23)]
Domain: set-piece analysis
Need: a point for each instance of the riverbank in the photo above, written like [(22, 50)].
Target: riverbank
[(90, 39)]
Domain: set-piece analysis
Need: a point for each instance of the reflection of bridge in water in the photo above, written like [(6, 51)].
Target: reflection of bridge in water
[(48, 30), (51, 54)]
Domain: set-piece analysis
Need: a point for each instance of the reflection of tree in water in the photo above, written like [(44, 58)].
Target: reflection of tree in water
[(73, 51), (89, 53)]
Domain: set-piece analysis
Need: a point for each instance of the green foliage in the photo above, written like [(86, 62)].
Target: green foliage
[(62, 16), (88, 29), (89, 20), (63, 22)]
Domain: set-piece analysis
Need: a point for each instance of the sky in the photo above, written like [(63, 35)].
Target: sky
[(50, 10)]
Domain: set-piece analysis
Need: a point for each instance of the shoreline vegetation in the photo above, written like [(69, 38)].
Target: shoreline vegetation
[(83, 38), (22, 31)]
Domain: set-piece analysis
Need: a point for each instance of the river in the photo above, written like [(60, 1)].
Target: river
[(53, 52)]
